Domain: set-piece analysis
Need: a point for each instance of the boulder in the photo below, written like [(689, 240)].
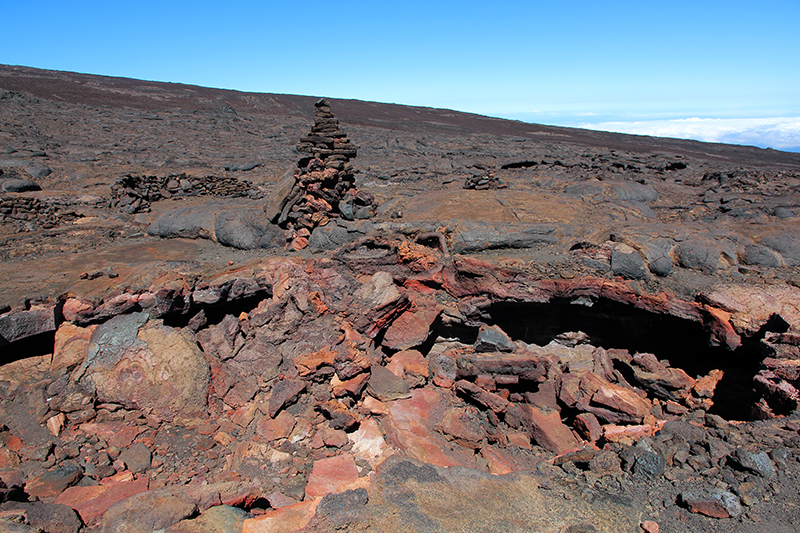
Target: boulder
[(187, 222), (49, 517), (787, 244), (17, 325), (217, 519), (145, 365), (473, 236), (247, 229), (147, 511), (18, 185), (626, 262)]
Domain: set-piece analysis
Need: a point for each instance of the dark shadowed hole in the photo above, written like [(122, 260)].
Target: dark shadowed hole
[(215, 313), (683, 343), (33, 346)]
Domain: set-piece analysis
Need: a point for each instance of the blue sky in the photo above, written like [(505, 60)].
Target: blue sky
[(714, 70)]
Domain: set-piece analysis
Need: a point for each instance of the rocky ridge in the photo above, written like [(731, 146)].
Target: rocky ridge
[(568, 337)]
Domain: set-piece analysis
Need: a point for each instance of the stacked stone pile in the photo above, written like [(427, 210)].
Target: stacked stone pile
[(322, 185), (134, 193), (484, 182), (29, 214)]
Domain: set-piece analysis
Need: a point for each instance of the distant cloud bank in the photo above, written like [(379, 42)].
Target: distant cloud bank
[(781, 133)]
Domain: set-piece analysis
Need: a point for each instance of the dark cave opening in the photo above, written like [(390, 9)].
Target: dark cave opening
[(216, 312), (682, 343), (33, 346)]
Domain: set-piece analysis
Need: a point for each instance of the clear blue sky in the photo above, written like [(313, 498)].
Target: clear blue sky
[(570, 62)]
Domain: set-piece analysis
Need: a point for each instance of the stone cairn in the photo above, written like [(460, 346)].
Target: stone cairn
[(322, 185)]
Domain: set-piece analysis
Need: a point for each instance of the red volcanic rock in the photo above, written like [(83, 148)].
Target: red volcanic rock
[(492, 401), (329, 474), (547, 430), (280, 427), (409, 428), (53, 483), (410, 329), (339, 415), (284, 520), (409, 365), (609, 396), (589, 428), (71, 345), (93, 501), (314, 363), (148, 511)]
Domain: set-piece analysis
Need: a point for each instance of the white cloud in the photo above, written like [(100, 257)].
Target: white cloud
[(782, 133)]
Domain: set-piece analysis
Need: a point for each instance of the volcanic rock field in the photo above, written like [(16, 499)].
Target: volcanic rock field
[(244, 312)]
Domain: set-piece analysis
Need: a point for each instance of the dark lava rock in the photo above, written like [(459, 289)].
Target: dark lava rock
[(761, 256), (247, 230), (493, 339), (38, 173), (756, 462), (284, 392), (626, 262), (338, 510), (649, 465), (189, 222), (787, 244), (18, 185), (473, 236)]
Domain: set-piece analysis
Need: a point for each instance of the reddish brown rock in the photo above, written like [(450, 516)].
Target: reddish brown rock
[(147, 511), (410, 329), (352, 387), (460, 426), (284, 520), (588, 427), (612, 397), (329, 474), (53, 483), (547, 430), (339, 416), (278, 428), (71, 345), (315, 363), (93, 501), (408, 427), (490, 400)]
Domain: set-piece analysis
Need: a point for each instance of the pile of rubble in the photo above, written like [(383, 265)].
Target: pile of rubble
[(337, 365), (134, 193), (322, 185), (484, 182)]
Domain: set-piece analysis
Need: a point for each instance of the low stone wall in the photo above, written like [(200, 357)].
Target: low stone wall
[(29, 214), (135, 193)]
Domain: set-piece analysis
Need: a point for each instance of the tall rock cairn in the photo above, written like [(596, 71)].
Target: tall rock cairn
[(322, 186)]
